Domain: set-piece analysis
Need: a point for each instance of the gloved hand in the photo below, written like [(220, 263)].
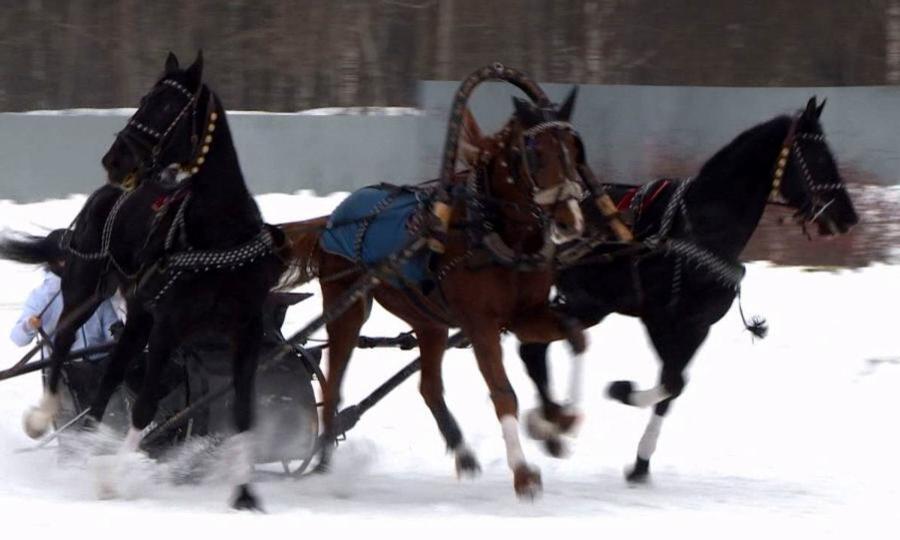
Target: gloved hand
[(116, 329)]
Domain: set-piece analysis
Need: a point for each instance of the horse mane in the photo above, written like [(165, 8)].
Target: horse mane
[(724, 158)]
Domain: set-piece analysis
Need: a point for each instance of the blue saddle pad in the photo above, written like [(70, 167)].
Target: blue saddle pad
[(372, 224)]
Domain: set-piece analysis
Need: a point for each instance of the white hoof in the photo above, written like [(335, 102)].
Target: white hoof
[(539, 428), (37, 420)]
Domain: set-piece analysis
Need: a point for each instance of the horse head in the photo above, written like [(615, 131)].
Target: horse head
[(532, 164), (172, 127), (806, 176)]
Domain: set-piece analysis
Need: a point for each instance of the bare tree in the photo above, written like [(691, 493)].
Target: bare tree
[(291, 54), (892, 39)]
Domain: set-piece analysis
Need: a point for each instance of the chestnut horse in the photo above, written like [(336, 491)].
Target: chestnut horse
[(523, 189)]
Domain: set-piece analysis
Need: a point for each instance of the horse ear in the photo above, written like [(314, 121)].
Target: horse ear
[(525, 111), (565, 110), (820, 107), (471, 140), (195, 72), (171, 63), (810, 111)]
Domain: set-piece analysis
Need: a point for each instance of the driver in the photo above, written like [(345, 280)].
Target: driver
[(44, 305)]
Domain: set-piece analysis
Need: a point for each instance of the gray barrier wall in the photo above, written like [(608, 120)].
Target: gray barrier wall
[(52, 155), (636, 133), (632, 133)]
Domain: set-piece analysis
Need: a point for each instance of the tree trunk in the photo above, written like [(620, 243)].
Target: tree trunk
[(892, 36)]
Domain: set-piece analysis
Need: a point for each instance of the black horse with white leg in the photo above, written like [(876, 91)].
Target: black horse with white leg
[(695, 230), (177, 230)]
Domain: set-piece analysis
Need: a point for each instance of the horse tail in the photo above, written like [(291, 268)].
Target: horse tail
[(302, 254), (31, 249)]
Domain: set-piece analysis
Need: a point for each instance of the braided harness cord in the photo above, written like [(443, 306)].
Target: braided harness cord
[(65, 242), (177, 263), (191, 260), (726, 273)]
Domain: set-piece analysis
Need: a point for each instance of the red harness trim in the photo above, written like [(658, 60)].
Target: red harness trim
[(625, 201), (164, 200)]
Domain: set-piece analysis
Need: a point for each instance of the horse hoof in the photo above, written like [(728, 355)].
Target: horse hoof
[(555, 447), (88, 425), (36, 422), (621, 391), (323, 467), (640, 473), (538, 427), (467, 465), (245, 500), (527, 481), (566, 419)]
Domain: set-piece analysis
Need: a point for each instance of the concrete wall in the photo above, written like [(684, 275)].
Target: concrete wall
[(52, 155), (632, 133), (636, 133)]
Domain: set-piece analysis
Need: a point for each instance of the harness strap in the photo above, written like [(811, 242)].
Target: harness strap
[(105, 238), (262, 244), (209, 260)]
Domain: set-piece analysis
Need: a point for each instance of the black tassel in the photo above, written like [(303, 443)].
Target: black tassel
[(758, 326)]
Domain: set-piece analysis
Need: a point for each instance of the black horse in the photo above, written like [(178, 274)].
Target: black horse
[(187, 245), (686, 281)]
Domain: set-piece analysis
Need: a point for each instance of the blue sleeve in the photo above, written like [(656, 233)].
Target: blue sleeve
[(21, 334)]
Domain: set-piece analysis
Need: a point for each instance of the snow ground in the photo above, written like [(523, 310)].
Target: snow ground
[(795, 434)]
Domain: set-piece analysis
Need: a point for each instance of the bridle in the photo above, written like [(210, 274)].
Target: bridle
[(143, 140), (517, 158), (810, 209), (568, 189)]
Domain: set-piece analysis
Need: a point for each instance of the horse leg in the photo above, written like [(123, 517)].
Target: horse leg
[(246, 357), (343, 333), (432, 342), (133, 339), (536, 330), (78, 306), (111, 469), (546, 325), (485, 338), (640, 471), (548, 423), (675, 347), (675, 344)]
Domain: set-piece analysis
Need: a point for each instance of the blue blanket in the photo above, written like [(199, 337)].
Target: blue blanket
[(374, 223)]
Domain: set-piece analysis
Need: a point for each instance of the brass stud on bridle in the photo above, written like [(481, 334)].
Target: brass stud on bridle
[(779, 172), (207, 141)]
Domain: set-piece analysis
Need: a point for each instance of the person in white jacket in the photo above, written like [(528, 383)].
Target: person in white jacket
[(44, 306), (40, 316)]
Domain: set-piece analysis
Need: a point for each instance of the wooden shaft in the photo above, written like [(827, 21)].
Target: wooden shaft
[(611, 213)]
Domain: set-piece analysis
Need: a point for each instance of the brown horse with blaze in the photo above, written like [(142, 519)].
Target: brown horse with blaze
[(521, 198)]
